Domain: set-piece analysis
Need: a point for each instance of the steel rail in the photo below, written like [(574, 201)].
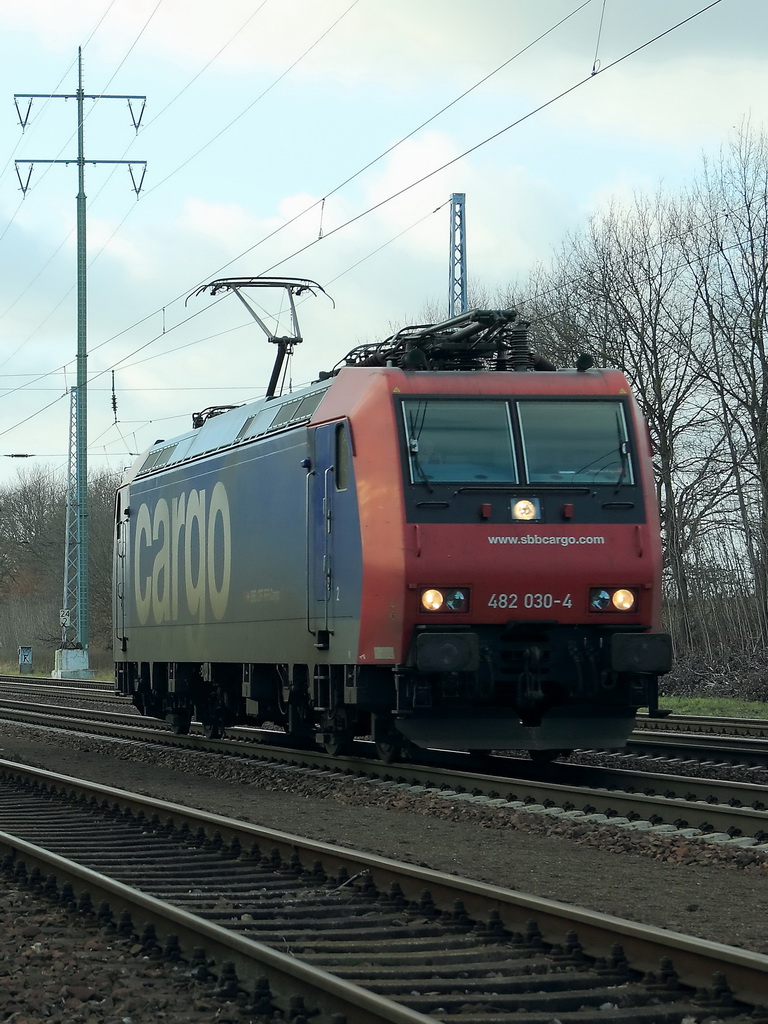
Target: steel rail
[(694, 960), (676, 723), (752, 748), (251, 959), (703, 725), (721, 809)]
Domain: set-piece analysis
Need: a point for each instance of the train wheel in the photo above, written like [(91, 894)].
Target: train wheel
[(180, 721), (338, 744), (390, 744), (388, 750), (213, 728), (300, 724), (337, 732)]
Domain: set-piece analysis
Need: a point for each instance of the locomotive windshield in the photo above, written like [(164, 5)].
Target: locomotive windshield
[(561, 441), (575, 442), (459, 440)]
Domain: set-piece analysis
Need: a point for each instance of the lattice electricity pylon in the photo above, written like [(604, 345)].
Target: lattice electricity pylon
[(75, 613), (69, 615), (457, 285)]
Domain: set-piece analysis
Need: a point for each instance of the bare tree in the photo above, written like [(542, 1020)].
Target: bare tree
[(725, 238), (617, 291), (101, 506), (32, 541), (31, 531)]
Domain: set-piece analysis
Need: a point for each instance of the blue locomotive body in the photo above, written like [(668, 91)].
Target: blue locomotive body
[(457, 558)]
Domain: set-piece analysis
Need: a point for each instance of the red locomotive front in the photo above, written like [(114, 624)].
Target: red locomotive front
[(511, 554)]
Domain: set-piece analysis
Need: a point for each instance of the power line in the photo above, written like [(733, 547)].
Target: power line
[(357, 173), (261, 95), (411, 185), (346, 181), (491, 138), (146, 192), (131, 48), (23, 120), (28, 387), (205, 67), (395, 145)]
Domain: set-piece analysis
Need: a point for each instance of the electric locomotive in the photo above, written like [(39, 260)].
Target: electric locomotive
[(442, 542)]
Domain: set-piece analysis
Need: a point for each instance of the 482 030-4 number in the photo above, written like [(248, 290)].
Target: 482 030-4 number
[(529, 601)]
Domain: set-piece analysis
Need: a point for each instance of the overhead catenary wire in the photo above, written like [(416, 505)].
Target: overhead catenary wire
[(466, 152), (388, 199), (340, 186), (132, 208), (207, 65), (28, 386), (343, 183), (160, 113), (405, 138), (253, 103), (472, 149), (249, 389), (596, 61), (145, 423)]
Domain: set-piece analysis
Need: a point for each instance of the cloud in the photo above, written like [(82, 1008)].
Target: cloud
[(228, 172), (679, 104)]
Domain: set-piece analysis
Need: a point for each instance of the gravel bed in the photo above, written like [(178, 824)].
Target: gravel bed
[(54, 969)]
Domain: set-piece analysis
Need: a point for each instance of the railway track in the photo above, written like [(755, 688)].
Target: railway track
[(659, 735), (349, 934), (703, 725), (709, 810)]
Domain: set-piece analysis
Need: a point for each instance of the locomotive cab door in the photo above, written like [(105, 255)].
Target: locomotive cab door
[(120, 554), (320, 510), (328, 491)]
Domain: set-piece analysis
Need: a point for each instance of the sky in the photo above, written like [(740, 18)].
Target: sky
[(318, 139)]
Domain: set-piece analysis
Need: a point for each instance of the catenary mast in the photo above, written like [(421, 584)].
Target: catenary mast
[(72, 658), (457, 285)]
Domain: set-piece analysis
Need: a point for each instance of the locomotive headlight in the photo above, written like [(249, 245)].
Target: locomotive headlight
[(432, 600), (526, 510), (612, 599), (623, 600), (445, 599)]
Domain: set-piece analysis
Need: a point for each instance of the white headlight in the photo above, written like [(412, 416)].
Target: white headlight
[(526, 509), (623, 600), (432, 600), (612, 599)]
